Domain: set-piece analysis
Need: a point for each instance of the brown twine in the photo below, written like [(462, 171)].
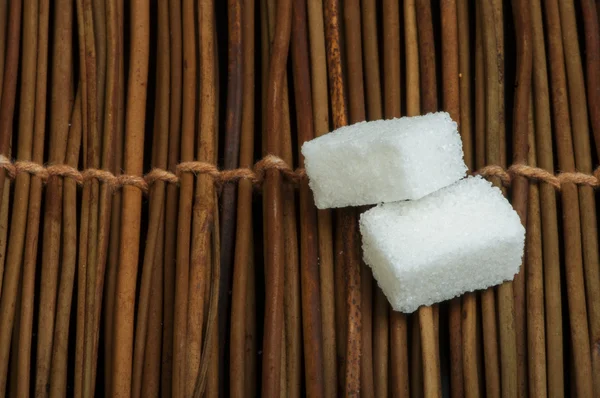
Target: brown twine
[(256, 174)]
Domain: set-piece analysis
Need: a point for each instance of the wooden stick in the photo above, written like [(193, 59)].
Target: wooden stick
[(451, 103), (551, 256), (172, 201), (494, 154), (157, 198), (274, 256), (3, 38), (311, 298), (292, 311), (38, 47), (115, 226), (520, 185), (590, 12), (570, 198), (536, 336), (469, 300), (204, 205), (131, 206), (12, 388), (9, 84), (429, 338), (60, 345), (242, 270), (375, 112), (83, 230), (92, 154), (60, 113), (413, 108), (108, 75), (232, 152), (356, 105), (321, 126), (16, 243), (347, 218), (488, 299), (31, 98), (251, 358), (152, 362), (4, 211), (583, 163), (185, 202)]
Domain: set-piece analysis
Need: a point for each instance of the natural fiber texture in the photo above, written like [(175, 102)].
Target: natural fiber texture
[(257, 172)]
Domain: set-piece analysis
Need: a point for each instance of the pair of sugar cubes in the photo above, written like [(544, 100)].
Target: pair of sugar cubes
[(434, 234)]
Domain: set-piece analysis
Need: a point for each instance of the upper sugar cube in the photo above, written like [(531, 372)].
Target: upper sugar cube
[(384, 160), (462, 238)]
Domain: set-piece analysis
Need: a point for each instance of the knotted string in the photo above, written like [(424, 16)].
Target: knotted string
[(256, 174)]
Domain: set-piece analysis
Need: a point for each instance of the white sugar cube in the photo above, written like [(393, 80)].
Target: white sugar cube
[(384, 160), (462, 238)]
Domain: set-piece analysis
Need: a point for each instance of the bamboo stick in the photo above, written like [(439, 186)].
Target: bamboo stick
[(375, 112), (13, 383), (58, 373), (583, 163), (131, 205), (347, 219), (488, 299), (5, 197), (232, 152), (321, 126), (428, 316), (536, 347), (292, 311), (551, 257), (92, 153), (108, 76), (274, 256), (357, 113), (157, 197), (451, 103), (570, 199), (152, 363), (520, 189), (115, 232), (9, 84), (204, 205), (39, 47), (12, 274), (242, 271), (3, 38), (185, 203), (32, 117), (413, 108), (175, 125), (495, 155), (469, 300), (251, 357), (311, 299), (60, 112), (86, 97), (590, 13), (4, 211)]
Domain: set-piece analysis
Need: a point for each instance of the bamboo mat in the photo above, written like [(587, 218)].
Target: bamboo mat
[(158, 236)]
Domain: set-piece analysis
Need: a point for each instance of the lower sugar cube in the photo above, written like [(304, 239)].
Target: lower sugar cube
[(462, 238), (384, 160)]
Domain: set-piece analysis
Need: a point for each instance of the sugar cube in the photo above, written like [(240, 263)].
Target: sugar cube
[(462, 238), (384, 160)]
